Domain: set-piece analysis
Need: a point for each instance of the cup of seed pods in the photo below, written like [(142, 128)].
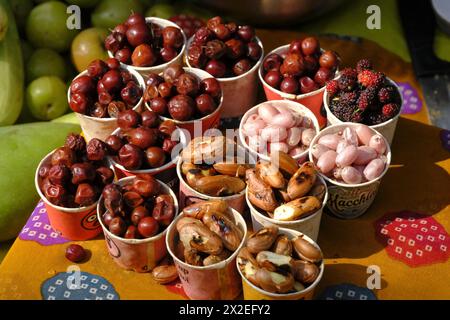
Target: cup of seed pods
[(282, 193), (298, 71), (135, 213), (352, 158), (204, 241), (364, 95), (279, 264), (69, 180), (213, 168)]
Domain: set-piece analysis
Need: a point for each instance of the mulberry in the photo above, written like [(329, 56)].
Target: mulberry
[(364, 64)]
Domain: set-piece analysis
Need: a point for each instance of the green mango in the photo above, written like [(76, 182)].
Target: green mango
[(23, 146)]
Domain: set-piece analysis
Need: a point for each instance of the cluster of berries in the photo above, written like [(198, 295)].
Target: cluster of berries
[(363, 95)]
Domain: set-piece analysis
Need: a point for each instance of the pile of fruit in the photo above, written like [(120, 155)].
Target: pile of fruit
[(363, 95)]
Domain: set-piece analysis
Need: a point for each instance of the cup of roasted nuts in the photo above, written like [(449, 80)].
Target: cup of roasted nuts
[(279, 264), (278, 125), (281, 193), (144, 144), (146, 44), (232, 54), (69, 180), (204, 241), (205, 172), (352, 158), (364, 95), (135, 213), (100, 92), (188, 96), (298, 71)]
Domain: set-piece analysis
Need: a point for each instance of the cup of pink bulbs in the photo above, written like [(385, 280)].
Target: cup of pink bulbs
[(352, 158)]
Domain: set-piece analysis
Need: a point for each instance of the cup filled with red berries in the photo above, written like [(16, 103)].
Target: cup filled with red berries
[(144, 144), (190, 97), (69, 180), (231, 53), (100, 92), (299, 71), (352, 158), (134, 214), (146, 44), (364, 95)]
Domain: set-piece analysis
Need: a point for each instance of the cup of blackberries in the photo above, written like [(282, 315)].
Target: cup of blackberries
[(144, 144), (231, 53), (146, 44), (69, 181), (100, 92), (189, 97), (299, 71)]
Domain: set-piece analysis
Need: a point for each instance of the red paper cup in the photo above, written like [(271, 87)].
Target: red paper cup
[(166, 173), (140, 255), (387, 128), (197, 127), (219, 281), (71, 223), (312, 100), (309, 225), (101, 128), (252, 292), (349, 201), (292, 105), (144, 71), (240, 92)]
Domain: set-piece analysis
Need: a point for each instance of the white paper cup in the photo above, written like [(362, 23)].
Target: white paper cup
[(293, 106), (144, 71), (140, 255), (252, 292), (220, 281), (240, 92), (197, 127), (349, 201), (387, 128), (309, 225), (101, 128)]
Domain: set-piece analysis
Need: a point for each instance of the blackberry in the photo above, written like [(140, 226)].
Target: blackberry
[(373, 118), (390, 110), (349, 72), (367, 98), (387, 94), (364, 64), (369, 78), (348, 98), (346, 83), (332, 88), (357, 117), (343, 112)]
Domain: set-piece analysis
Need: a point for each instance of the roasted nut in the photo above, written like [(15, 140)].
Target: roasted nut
[(219, 185), (199, 237), (307, 251), (245, 254), (274, 282), (262, 240), (179, 250), (270, 174), (274, 261), (285, 162), (186, 220), (199, 209), (318, 191), (231, 168), (225, 228), (192, 176), (204, 149), (298, 286), (260, 193), (282, 245), (297, 208), (213, 259), (282, 195), (187, 166), (192, 257), (302, 181), (248, 269), (305, 272), (165, 274)]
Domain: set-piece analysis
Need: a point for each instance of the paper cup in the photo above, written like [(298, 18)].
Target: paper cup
[(71, 223), (140, 255), (240, 92), (349, 201), (312, 100), (387, 129), (101, 128), (167, 173), (219, 281), (144, 71), (189, 195), (252, 292), (293, 106), (309, 225), (197, 127)]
